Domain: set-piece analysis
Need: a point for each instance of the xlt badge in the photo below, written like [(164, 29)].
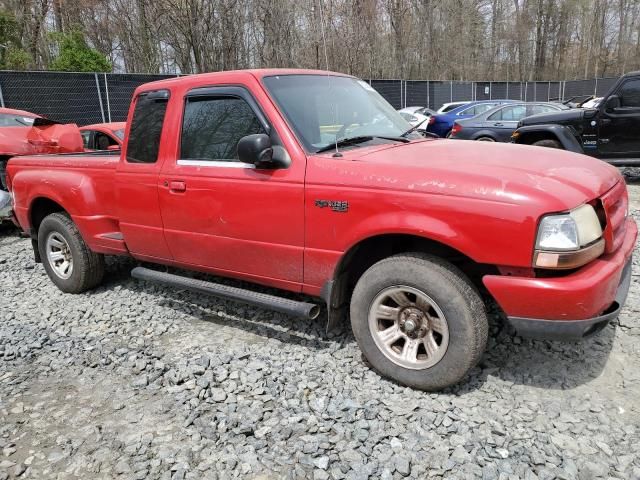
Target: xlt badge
[(341, 206)]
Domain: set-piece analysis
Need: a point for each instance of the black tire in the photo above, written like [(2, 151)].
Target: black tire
[(485, 139), (88, 267), (549, 143), (456, 297)]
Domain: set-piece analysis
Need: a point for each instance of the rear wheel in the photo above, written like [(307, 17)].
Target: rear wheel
[(66, 257), (549, 143), (419, 321)]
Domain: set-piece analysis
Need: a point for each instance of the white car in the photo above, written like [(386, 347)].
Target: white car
[(417, 116), (450, 106), (593, 103)]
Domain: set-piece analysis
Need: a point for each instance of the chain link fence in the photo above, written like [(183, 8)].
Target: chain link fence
[(86, 98)]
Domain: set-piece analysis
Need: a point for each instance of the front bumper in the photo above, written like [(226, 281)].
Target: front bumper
[(572, 306), (574, 329)]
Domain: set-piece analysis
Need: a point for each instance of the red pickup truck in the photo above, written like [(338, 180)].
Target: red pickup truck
[(310, 182)]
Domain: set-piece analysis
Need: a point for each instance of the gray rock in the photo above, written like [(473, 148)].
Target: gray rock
[(403, 465), (321, 462), (218, 395)]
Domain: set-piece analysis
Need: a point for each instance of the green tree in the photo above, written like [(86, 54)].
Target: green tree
[(75, 55), (12, 55)]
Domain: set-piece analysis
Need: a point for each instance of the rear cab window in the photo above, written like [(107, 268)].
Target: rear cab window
[(146, 127)]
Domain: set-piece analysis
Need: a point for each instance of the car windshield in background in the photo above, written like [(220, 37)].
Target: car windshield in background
[(10, 120), (322, 109), (119, 133)]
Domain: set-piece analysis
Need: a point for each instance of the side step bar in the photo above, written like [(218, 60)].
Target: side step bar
[(299, 309)]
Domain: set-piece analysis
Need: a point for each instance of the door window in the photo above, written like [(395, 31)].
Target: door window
[(213, 126), (630, 94), (10, 120), (509, 114), (146, 127), (538, 109), (478, 109)]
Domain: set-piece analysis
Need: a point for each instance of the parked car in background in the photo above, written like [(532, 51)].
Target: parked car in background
[(447, 107), (442, 123), (103, 136), (610, 131), (592, 103), (577, 101), (417, 116), (498, 123), (25, 133)]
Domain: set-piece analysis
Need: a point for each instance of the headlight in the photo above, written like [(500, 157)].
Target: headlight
[(569, 240)]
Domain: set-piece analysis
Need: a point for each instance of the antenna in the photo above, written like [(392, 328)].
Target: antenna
[(326, 61)]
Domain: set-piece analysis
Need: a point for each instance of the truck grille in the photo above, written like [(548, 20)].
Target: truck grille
[(615, 203)]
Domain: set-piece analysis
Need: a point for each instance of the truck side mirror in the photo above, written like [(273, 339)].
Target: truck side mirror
[(612, 103), (257, 150)]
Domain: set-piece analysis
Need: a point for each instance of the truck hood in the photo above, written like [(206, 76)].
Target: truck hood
[(573, 116), (517, 174)]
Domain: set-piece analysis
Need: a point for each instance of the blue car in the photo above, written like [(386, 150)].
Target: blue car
[(442, 123)]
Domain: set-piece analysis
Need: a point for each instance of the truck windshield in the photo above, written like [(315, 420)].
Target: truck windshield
[(322, 109)]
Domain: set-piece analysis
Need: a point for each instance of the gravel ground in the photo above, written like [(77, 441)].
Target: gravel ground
[(137, 381)]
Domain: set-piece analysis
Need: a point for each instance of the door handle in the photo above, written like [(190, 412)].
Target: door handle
[(604, 122), (177, 186), (497, 124)]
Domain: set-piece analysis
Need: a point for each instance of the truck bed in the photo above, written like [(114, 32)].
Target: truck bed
[(102, 160), (84, 183)]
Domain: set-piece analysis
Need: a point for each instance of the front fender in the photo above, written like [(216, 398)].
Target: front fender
[(529, 134), (408, 223)]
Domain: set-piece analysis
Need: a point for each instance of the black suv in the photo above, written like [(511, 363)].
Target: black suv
[(610, 132)]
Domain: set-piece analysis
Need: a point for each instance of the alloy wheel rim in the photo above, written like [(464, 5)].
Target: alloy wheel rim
[(408, 327), (59, 255)]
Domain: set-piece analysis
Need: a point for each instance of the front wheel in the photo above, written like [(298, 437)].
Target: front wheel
[(549, 143), (66, 257), (419, 321)]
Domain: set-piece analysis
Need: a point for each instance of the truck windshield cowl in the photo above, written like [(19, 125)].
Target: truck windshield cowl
[(323, 109)]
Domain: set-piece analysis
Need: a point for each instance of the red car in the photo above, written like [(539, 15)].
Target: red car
[(103, 136), (310, 182), (25, 133)]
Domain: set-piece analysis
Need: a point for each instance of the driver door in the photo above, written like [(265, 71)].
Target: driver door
[(618, 127), (223, 215)]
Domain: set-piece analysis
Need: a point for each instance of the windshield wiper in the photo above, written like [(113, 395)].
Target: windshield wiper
[(414, 128), (359, 139)]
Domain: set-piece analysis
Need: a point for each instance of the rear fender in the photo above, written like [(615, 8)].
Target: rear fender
[(530, 134), (84, 197), (484, 133)]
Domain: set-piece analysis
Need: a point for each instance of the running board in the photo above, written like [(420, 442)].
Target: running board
[(291, 307)]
